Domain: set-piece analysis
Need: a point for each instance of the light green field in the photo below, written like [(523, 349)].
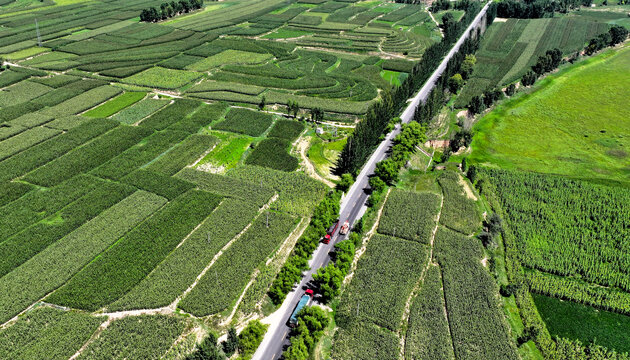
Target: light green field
[(284, 33), (323, 155), (229, 57), (575, 123), (115, 105), (394, 77), (23, 54), (163, 78), (227, 154)]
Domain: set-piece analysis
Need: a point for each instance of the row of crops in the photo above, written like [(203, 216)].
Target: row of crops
[(98, 215), (80, 41), (371, 309), (508, 49), (572, 234)]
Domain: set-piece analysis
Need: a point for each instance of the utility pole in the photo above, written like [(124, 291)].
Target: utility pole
[(39, 37)]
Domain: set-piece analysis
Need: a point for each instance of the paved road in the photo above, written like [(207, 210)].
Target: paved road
[(352, 208)]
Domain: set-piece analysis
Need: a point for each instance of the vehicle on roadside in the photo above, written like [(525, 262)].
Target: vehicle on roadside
[(304, 301), (345, 228)]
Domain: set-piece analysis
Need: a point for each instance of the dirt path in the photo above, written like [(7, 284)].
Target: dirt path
[(467, 190), (436, 23), (302, 148), (418, 286)]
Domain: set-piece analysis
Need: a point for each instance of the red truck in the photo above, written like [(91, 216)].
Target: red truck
[(331, 231)]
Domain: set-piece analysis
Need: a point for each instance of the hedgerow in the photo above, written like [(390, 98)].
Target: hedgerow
[(88, 156), (299, 194), (22, 246), (25, 140), (470, 294), (181, 267), (291, 272), (37, 205), (123, 266), (136, 337), (139, 154), (248, 190), (25, 285), (140, 110), (170, 114), (39, 333), (383, 280), (410, 215), (273, 153), (41, 154), (83, 101), (185, 153), (428, 335), (245, 121), (224, 282), (459, 212), (160, 184)]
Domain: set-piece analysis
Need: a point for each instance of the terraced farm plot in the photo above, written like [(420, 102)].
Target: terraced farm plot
[(115, 105), (162, 78), (228, 57)]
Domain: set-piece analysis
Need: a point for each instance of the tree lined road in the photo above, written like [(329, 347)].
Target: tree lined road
[(352, 208)]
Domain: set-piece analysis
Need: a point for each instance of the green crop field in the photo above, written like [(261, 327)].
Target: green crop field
[(510, 48), (583, 137)]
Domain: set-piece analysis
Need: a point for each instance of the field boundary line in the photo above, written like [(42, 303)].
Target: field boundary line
[(419, 283)]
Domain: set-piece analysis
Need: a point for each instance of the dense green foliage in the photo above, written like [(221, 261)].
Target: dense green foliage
[(183, 154), (25, 285), (224, 282), (428, 335), (37, 333), (476, 322), (273, 153), (181, 267), (410, 215), (136, 337), (566, 319), (312, 321), (245, 121), (286, 129), (123, 266), (250, 338), (324, 215)]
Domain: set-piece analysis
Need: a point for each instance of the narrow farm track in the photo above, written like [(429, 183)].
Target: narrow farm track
[(414, 293), (302, 147)]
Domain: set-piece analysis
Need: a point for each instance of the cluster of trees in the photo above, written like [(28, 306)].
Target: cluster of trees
[(2, 67), (440, 5), (460, 64), (534, 9), (312, 321), (326, 212), (246, 343), (208, 350), (293, 108), (386, 172), (615, 35), (367, 133), (317, 115), (168, 10), (481, 102), (250, 338), (328, 280)]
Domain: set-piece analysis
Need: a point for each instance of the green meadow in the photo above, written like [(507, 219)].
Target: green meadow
[(574, 123)]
